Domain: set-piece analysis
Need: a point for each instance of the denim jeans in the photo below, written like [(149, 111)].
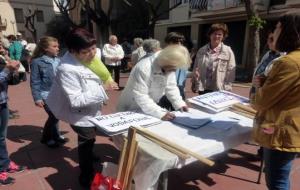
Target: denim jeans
[(4, 114), (50, 131), (278, 165)]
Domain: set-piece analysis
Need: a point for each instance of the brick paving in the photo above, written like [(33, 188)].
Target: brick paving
[(57, 169)]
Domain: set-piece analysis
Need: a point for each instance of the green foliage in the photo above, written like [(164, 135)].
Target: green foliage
[(257, 22)]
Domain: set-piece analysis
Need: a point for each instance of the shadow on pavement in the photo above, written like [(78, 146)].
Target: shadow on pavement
[(189, 177), (61, 163)]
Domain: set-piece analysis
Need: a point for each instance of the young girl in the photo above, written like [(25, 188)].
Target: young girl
[(43, 68)]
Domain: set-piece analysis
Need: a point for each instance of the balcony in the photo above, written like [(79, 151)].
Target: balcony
[(3, 24), (213, 9)]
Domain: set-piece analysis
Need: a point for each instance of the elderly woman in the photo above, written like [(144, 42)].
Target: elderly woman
[(151, 46), (277, 101), (214, 67), (153, 77), (77, 95), (113, 54), (139, 52)]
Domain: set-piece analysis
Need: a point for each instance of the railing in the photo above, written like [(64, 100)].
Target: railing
[(204, 5)]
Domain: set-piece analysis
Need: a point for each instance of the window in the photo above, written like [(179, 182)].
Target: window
[(39, 16), (277, 2), (19, 15)]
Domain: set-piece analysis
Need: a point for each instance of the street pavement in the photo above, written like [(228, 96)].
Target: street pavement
[(57, 169)]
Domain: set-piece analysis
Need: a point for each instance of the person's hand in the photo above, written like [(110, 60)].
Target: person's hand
[(13, 65), (184, 109), (258, 81), (111, 86), (114, 59), (196, 74), (169, 116), (269, 130), (40, 103)]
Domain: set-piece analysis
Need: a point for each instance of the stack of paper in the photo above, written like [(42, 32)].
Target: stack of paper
[(191, 120), (217, 101), (117, 123)]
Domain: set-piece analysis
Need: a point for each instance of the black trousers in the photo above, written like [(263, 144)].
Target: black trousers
[(86, 141), (51, 129), (114, 70)]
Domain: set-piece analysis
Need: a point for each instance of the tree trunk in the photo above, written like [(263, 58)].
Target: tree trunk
[(151, 30), (253, 50), (253, 39), (104, 35)]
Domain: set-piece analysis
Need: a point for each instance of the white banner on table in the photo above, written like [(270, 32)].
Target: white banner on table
[(121, 121), (217, 101)]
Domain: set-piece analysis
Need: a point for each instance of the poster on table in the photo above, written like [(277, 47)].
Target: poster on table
[(218, 101), (116, 123)]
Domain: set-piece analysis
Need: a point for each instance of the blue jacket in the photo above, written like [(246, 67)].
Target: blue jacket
[(42, 74), (4, 75)]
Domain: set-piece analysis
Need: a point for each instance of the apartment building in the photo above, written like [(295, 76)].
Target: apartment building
[(193, 18), (13, 12)]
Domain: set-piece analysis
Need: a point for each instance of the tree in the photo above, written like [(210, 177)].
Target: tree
[(58, 27), (149, 12), (92, 11), (30, 23), (155, 12), (65, 7), (255, 24)]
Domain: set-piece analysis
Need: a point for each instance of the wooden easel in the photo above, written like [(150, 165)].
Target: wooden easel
[(129, 154)]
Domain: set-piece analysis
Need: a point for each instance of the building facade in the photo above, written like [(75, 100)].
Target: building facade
[(13, 18), (193, 18)]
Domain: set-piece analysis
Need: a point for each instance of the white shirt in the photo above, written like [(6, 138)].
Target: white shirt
[(137, 55), (110, 52)]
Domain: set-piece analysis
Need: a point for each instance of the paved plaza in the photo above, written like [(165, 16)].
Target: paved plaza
[(57, 169)]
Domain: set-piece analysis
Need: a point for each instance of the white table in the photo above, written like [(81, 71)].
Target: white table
[(227, 132)]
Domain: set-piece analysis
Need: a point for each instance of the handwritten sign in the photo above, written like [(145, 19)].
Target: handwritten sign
[(121, 121)]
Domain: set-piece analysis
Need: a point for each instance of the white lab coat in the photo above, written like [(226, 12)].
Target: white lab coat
[(145, 87), (76, 94)]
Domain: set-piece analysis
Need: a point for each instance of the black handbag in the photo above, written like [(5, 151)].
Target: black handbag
[(14, 78)]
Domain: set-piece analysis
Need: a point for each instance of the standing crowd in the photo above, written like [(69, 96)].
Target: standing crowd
[(156, 86)]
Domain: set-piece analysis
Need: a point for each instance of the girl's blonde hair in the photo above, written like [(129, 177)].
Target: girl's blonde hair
[(174, 55), (41, 47)]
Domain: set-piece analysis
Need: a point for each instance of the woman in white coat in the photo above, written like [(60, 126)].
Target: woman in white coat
[(77, 95), (152, 78)]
